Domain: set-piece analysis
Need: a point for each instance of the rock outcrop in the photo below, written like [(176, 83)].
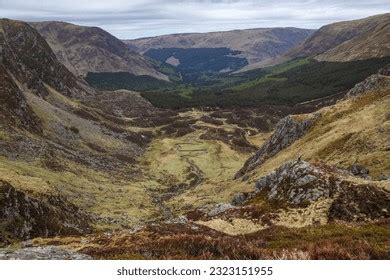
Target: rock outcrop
[(42, 253), (13, 105), (23, 217), (379, 81), (288, 130), (299, 183), (359, 170), (218, 209)]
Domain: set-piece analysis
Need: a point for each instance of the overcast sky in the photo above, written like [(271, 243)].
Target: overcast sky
[(142, 18)]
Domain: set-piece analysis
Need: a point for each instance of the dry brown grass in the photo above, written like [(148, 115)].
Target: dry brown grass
[(352, 131), (366, 241)]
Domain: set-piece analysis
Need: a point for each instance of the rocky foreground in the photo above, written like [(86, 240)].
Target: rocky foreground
[(42, 253)]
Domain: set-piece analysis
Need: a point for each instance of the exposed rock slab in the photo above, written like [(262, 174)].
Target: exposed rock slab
[(299, 183), (42, 253), (287, 131), (378, 81)]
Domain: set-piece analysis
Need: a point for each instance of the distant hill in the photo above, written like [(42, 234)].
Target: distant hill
[(255, 45), (90, 49)]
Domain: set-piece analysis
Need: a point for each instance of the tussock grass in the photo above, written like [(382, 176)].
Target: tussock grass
[(118, 202)]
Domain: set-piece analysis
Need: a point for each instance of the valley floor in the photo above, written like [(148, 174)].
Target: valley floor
[(179, 198)]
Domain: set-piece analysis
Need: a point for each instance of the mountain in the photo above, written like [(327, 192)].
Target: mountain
[(97, 174), (223, 69), (33, 69), (90, 49), (347, 41), (54, 131), (255, 45)]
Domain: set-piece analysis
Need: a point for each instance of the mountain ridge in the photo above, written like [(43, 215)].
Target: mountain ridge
[(342, 41), (256, 44), (348, 40), (91, 49)]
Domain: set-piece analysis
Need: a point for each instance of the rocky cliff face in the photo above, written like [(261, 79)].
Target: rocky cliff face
[(13, 105), (23, 216), (299, 183), (379, 81), (286, 132)]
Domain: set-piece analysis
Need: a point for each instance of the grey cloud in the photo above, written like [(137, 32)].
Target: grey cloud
[(140, 18)]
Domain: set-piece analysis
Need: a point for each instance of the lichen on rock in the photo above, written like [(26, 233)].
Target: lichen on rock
[(287, 131), (23, 216)]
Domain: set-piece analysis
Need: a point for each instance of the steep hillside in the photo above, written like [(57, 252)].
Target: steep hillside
[(255, 45), (38, 65), (347, 41), (56, 150), (353, 131), (91, 49), (326, 168)]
